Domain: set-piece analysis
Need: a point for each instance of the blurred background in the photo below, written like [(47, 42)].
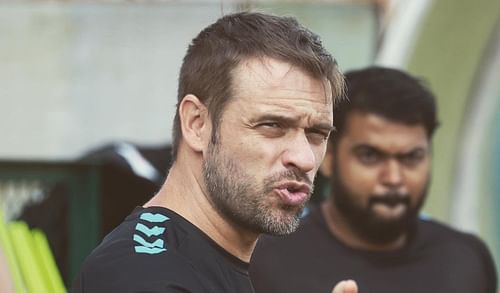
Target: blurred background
[(88, 94)]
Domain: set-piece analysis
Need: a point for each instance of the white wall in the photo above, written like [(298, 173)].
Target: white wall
[(76, 76)]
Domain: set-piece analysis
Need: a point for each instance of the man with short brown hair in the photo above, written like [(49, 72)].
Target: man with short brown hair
[(253, 117)]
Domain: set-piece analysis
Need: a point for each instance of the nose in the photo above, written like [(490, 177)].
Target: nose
[(299, 154), (392, 174)]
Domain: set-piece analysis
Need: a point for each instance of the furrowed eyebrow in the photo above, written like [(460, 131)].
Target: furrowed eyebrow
[(291, 121), (413, 151), (322, 127), (383, 153), (362, 147), (279, 118)]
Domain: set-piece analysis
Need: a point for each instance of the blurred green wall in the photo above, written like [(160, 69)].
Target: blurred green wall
[(451, 52)]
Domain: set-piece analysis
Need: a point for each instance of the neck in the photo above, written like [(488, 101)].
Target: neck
[(183, 192), (341, 229)]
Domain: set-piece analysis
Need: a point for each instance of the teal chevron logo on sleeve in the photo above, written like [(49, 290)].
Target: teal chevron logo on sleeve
[(156, 244), (148, 250), (154, 218), (155, 231)]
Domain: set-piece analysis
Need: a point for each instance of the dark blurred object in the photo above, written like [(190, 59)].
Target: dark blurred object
[(321, 189), (129, 175)]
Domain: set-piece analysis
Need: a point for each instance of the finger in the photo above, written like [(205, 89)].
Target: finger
[(348, 286)]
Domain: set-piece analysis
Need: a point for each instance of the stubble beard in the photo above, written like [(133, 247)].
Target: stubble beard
[(239, 198)]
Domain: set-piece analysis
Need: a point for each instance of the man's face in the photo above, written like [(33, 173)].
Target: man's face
[(380, 175), (272, 139)]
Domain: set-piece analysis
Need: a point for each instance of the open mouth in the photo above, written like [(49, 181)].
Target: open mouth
[(293, 193)]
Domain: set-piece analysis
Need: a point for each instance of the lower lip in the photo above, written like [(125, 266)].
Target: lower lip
[(390, 210), (292, 198)]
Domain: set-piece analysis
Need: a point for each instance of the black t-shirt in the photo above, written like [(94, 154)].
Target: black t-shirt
[(156, 250), (436, 259)]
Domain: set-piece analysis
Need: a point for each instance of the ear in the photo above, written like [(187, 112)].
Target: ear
[(195, 123), (327, 165)]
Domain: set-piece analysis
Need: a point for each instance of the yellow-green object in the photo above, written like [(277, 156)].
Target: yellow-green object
[(8, 250), (46, 259), (82, 180), (26, 256)]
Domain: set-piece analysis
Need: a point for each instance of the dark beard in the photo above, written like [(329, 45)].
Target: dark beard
[(365, 223)]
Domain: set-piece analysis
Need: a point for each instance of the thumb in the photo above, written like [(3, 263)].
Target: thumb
[(348, 286)]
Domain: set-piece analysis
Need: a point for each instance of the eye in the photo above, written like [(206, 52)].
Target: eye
[(270, 125), (317, 137), (271, 129), (368, 156), (413, 158)]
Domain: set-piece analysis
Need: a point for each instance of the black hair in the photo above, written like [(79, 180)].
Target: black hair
[(390, 93)]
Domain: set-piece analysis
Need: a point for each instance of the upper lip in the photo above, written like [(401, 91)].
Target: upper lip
[(296, 186)]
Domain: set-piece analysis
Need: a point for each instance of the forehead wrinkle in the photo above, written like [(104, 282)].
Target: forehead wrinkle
[(325, 84), (312, 117), (246, 95), (272, 80), (284, 102)]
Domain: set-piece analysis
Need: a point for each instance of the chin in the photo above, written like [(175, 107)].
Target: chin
[(282, 222)]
